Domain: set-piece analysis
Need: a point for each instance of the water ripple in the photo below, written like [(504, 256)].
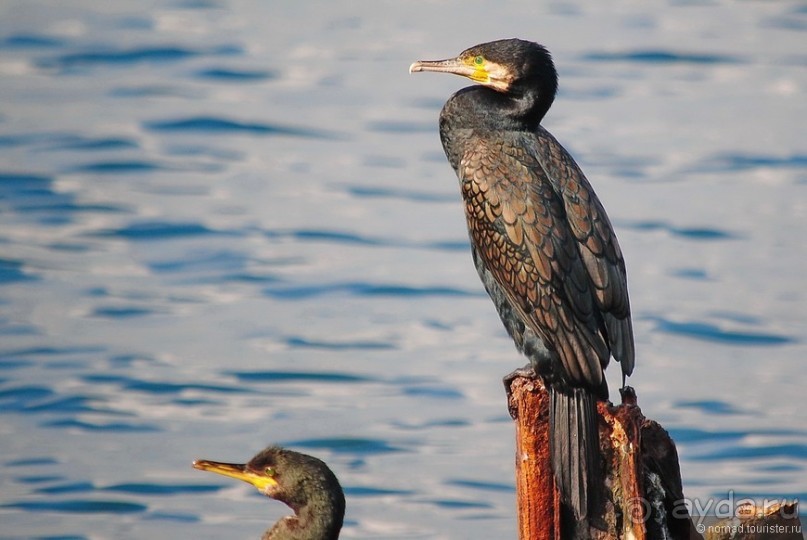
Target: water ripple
[(59, 537), (365, 289), (117, 167), (338, 237), (711, 332), (18, 139), (116, 427), (15, 185), (34, 196), (347, 445), (67, 404), (235, 75), (181, 518), (247, 277), (400, 126), (365, 491), (298, 376), (80, 143), (791, 21), (200, 4), (130, 488), (437, 423), (112, 56), (745, 162), (121, 312), (372, 192), (439, 392), (484, 486), (388, 162), (161, 489), (202, 260), (158, 387), (695, 435), (792, 451), (38, 479), (31, 41), (159, 230), (75, 487), (709, 407), (38, 399), (153, 90), (78, 506), (217, 125), (13, 271), (457, 504), (351, 238), (651, 56), (690, 233), (305, 343), (697, 274), (21, 397), (49, 351), (33, 461)]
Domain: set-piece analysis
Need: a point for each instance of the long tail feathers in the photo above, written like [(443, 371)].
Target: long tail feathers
[(574, 447)]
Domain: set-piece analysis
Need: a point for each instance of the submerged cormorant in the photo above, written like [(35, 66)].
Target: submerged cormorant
[(542, 244), (303, 482)]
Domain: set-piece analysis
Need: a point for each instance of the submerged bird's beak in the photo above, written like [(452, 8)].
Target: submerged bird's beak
[(265, 484), (484, 72)]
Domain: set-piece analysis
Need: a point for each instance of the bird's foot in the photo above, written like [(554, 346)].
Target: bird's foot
[(628, 395)]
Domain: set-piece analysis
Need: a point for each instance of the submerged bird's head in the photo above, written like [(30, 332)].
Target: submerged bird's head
[(520, 69), (303, 482)]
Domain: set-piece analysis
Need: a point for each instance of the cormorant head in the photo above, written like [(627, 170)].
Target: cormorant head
[(303, 482), (517, 68), (281, 474)]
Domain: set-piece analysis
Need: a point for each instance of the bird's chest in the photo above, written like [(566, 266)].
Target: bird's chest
[(496, 183)]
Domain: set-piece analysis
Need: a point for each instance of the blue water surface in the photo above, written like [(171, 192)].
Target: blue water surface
[(229, 223)]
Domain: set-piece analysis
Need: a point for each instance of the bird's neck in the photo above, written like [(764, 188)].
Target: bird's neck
[(316, 520), (528, 106), (477, 111), (321, 518), (302, 528), (481, 107)]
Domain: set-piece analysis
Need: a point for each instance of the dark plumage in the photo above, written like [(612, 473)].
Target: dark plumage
[(541, 242), (303, 482)]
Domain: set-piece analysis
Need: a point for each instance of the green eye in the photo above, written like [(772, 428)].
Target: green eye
[(479, 60), (269, 471)]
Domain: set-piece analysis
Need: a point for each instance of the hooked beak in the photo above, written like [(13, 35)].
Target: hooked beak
[(264, 484), (486, 73), (451, 65)]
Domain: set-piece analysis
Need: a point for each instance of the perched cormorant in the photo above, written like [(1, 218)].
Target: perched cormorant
[(542, 244), (303, 482)]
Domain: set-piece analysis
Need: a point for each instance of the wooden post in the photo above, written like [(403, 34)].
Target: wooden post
[(629, 512), (640, 469), (537, 498), (641, 476)]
